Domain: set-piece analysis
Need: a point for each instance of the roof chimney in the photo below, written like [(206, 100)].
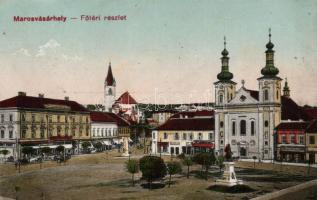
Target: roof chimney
[(66, 98), (21, 93), (41, 95)]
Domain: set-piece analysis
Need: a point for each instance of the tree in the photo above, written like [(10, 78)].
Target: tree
[(85, 146), (98, 146), (173, 168), (5, 152), (188, 162), (46, 150), (28, 150), (60, 149), (205, 160), (228, 152), (254, 159), (219, 162), (152, 167), (132, 167)]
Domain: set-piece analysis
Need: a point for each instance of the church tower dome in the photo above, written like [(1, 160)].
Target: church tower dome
[(269, 71), (225, 74)]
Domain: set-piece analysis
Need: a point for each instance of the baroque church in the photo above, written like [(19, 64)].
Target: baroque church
[(245, 118)]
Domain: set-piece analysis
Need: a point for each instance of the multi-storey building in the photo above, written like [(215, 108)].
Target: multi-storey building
[(311, 142), (28, 120), (186, 132)]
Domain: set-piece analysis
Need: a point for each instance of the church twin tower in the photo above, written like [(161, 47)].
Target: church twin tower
[(245, 119)]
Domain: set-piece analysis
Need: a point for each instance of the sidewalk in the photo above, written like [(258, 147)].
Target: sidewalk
[(276, 162)]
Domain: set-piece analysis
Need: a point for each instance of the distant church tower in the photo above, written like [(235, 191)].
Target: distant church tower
[(109, 90), (286, 90)]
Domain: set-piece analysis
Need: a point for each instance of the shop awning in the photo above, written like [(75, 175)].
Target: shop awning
[(203, 145)]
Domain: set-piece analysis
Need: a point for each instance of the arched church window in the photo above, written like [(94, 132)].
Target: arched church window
[(221, 124), (277, 95), (221, 98), (252, 128), (266, 95), (266, 123), (242, 127), (110, 91), (233, 128)]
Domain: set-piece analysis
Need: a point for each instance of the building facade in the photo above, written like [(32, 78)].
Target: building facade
[(31, 121), (184, 134), (245, 119), (311, 142)]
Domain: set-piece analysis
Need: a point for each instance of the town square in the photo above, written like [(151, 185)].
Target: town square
[(160, 100)]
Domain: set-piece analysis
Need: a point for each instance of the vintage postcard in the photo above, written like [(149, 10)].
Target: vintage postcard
[(169, 99)]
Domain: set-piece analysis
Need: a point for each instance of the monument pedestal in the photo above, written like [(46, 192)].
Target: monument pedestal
[(229, 176), (125, 152)]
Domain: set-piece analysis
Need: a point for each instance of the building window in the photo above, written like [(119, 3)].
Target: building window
[(266, 95), (2, 118), (176, 136), (153, 135), (42, 133), (277, 96), (311, 139), (23, 133), (23, 117), (293, 139), (266, 143), (252, 128), (210, 136), (33, 133), (184, 136), (200, 136), (233, 128), (191, 136), (66, 131), (283, 139), (165, 135), (221, 142), (221, 124), (221, 98), (2, 133), (58, 118), (94, 132), (301, 139), (266, 123), (11, 118), (10, 134), (33, 118), (242, 127), (87, 131), (66, 119)]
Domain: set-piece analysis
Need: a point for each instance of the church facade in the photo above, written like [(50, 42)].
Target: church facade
[(245, 118)]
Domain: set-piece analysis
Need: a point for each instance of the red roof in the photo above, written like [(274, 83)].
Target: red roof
[(41, 103), (293, 126), (119, 120), (109, 79), (126, 98), (101, 117), (312, 127), (311, 112), (290, 110), (188, 124)]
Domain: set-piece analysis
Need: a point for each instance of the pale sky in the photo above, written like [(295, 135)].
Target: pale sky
[(166, 51)]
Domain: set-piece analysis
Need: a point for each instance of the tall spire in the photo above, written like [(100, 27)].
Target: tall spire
[(225, 75), (286, 90), (269, 70), (110, 81)]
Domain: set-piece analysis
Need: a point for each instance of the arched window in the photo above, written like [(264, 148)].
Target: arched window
[(233, 128), (200, 137), (220, 98), (266, 123), (176, 136), (252, 128), (277, 95), (221, 124), (242, 127), (266, 95)]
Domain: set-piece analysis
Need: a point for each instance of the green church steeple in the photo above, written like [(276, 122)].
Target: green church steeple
[(225, 75), (269, 71)]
